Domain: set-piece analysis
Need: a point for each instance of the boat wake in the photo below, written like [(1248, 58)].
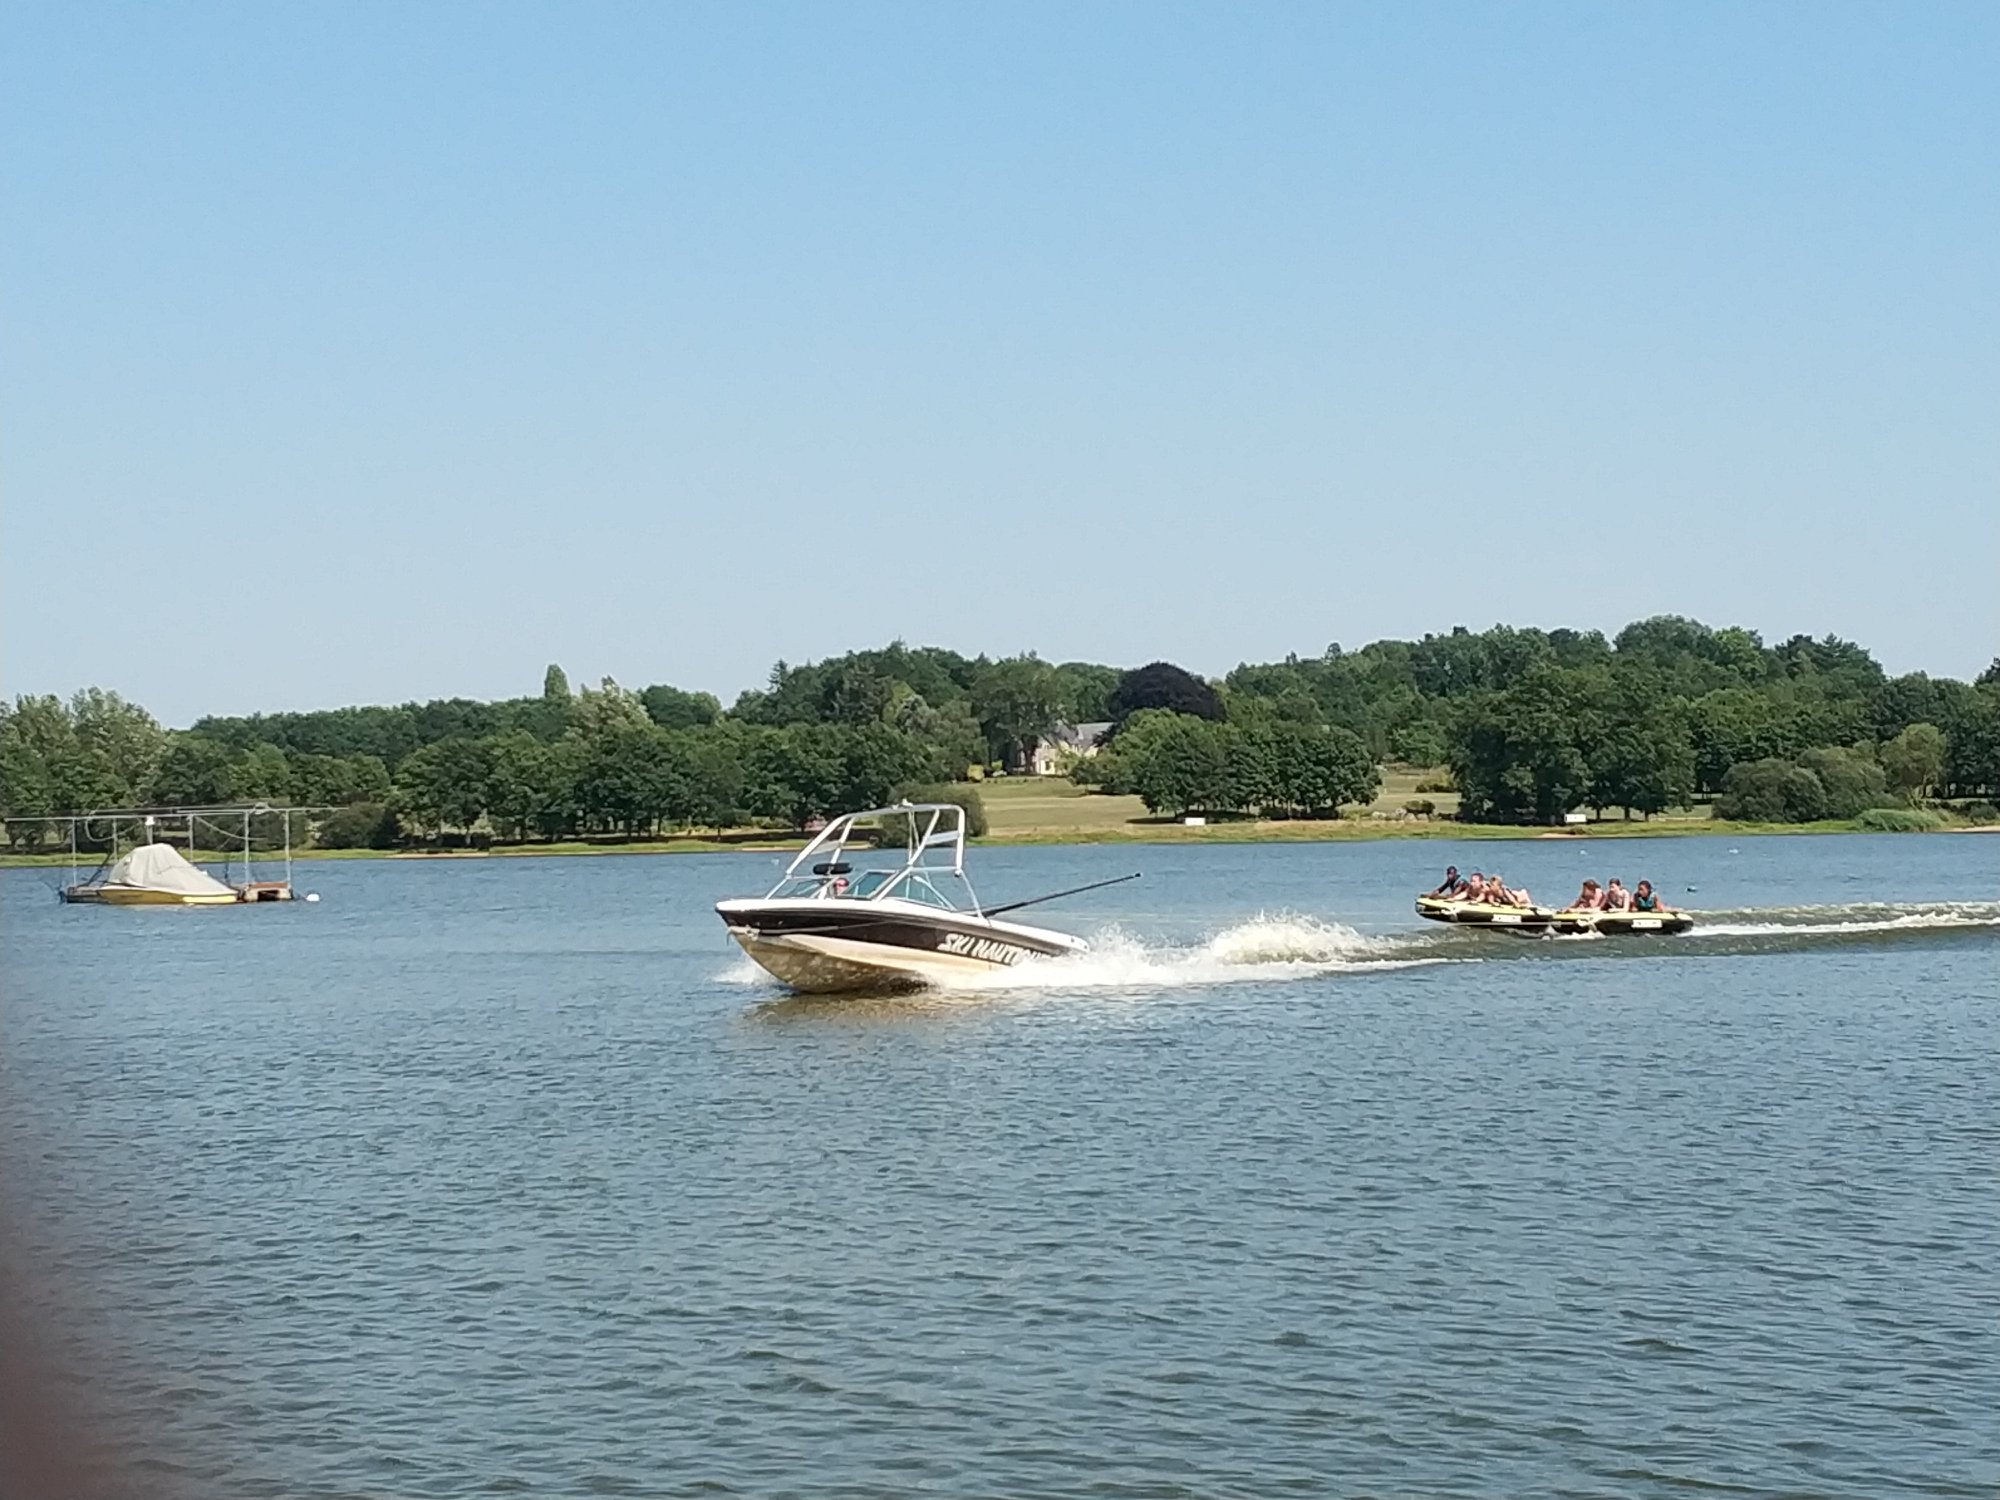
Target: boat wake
[(1281, 945), (1289, 945)]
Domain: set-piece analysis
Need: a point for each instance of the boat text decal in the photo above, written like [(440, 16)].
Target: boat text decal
[(985, 949)]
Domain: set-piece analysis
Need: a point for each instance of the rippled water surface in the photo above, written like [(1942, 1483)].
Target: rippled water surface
[(493, 1176)]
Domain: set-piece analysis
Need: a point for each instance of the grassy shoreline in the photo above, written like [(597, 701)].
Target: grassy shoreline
[(1032, 810), (1346, 830)]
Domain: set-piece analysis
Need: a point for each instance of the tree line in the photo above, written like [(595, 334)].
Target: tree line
[(1529, 724)]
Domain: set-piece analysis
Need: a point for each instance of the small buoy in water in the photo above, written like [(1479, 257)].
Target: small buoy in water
[(1735, 851), (314, 895)]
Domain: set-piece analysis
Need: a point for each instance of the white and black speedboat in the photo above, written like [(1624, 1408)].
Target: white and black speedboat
[(880, 901)]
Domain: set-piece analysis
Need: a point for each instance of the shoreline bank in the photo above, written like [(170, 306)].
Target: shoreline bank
[(1248, 832)]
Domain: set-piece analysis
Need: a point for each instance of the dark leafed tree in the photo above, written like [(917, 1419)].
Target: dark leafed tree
[(671, 708), (1161, 684)]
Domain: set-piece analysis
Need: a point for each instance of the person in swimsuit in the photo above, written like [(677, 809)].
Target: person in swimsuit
[(1590, 898), (1646, 899), (1616, 897), (1499, 893)]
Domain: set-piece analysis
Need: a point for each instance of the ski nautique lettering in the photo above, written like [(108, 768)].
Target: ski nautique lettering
[(985, 949)]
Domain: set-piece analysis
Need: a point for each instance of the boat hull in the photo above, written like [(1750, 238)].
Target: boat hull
[(125, 895), (827, 947), (1534, 921)]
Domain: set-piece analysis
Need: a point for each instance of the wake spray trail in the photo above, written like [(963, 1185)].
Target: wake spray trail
[(1281, 945), (1853, 920)]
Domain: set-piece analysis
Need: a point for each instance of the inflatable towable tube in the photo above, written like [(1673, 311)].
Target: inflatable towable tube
[(1535, 921)]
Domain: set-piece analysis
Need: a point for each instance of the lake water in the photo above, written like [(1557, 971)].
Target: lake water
[(510, 1176)]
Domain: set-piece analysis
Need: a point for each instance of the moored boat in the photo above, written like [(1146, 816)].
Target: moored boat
[(879, 900), (138, 865), (152, 875)]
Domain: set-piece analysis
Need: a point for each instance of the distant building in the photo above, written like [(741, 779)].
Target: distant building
[(1055, 753)]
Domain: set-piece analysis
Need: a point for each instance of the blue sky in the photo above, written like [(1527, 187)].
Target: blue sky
[(363, 352)]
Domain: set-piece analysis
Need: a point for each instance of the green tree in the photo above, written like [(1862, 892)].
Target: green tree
[(1643, 760), (1178, 763), (1914, 698), (1735, 725), (1914, 761), (121, 737), (443, 785), (1853, 781), (1515, 754), (1972, 733), (1087, 689), (713, 789), (359, 825), (530, 785), (55, 760), (874, 761), (795, 774), (194, 771), (670, 708), (1771, 791), (260, 774), (337, 780), (629, 777), (1017, 701), (607, 708), (855, 693), (1314, 768), (1418, 742), (555, 685), (37, 748), (950, 735)]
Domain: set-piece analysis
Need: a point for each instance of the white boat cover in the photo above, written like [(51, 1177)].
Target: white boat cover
[(160, 867)]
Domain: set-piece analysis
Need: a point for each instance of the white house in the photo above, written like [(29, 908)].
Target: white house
[(1055, 752)]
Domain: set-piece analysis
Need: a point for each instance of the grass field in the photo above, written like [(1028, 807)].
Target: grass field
[(1051, 810), (1027, 806)]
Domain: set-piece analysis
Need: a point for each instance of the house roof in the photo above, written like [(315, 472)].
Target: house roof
[(1076, 736)]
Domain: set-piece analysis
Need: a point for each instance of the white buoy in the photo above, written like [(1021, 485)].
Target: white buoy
[(312, 895)]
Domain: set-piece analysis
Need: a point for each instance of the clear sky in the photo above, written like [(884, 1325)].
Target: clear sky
[(362, 352)]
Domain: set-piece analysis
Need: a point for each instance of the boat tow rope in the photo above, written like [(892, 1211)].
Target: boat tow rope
[(1075, 890)]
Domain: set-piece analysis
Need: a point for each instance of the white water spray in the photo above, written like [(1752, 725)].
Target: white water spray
[(1840, 921), (1280, 945)]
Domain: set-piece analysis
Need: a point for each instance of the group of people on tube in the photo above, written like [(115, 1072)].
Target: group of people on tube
[(1493, 890)]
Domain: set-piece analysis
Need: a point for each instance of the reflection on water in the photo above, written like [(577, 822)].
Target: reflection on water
[(505, 1175)]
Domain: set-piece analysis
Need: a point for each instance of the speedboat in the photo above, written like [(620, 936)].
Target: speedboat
[(880, 901), (1537, 921)]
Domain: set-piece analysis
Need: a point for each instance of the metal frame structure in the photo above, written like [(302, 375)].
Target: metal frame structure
[(935, 846), (164, 825)]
